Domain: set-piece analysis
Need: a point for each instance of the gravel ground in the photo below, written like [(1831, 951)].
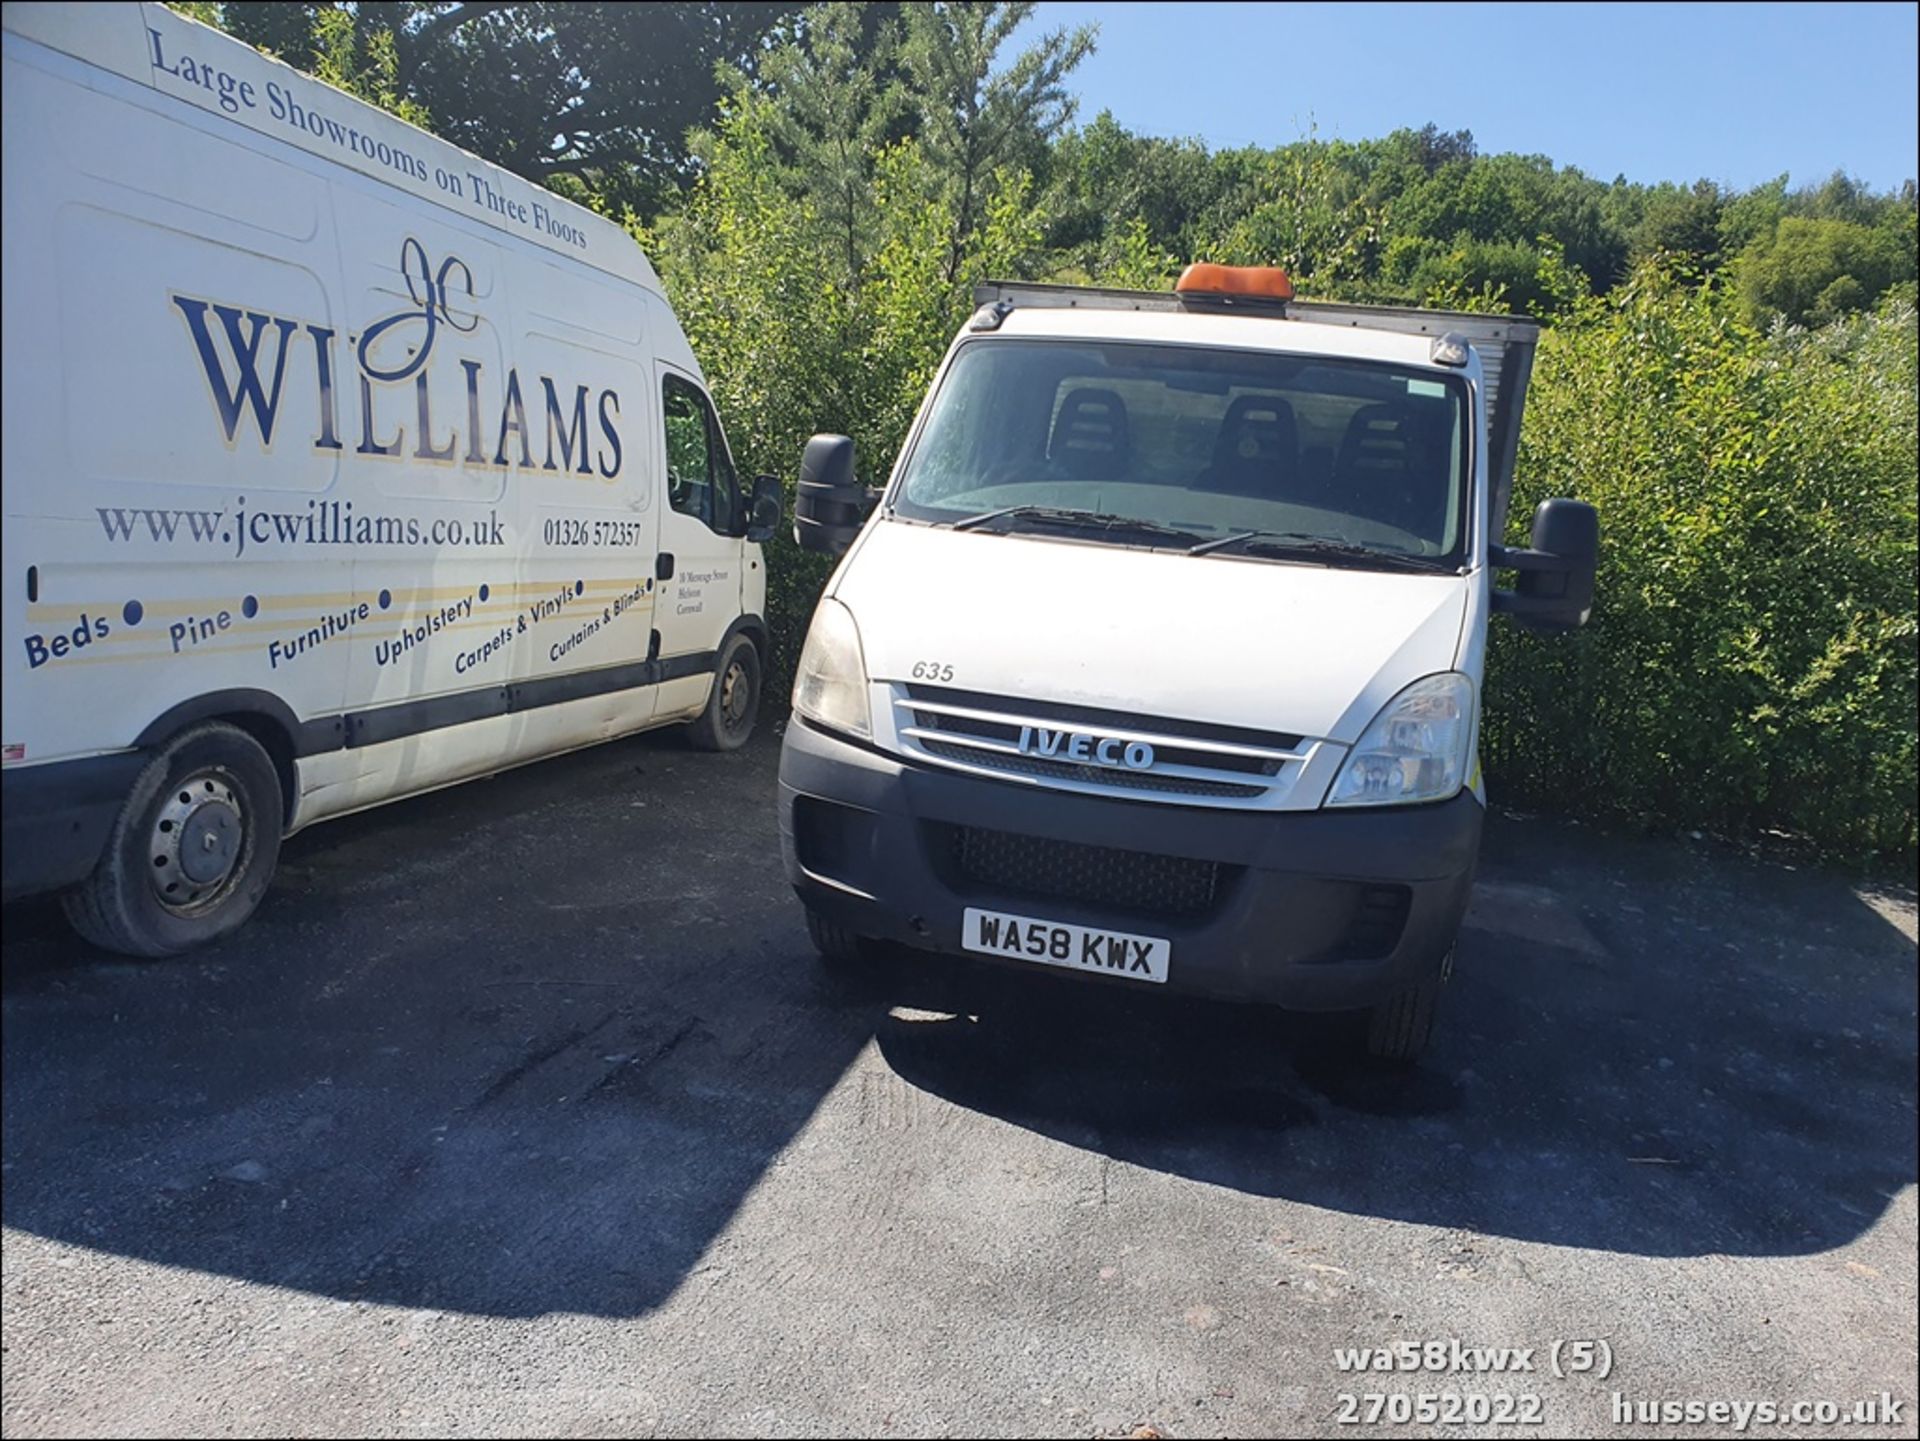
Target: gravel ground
[(523, 1108)]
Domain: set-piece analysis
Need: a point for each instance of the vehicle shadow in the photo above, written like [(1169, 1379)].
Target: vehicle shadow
[(522, 1046), (528, 1045), (1645, 1049)]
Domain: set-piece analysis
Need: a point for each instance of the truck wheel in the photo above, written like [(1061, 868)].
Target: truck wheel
[(1399, 1028), (835, 943), (192, 851), (735, 702)]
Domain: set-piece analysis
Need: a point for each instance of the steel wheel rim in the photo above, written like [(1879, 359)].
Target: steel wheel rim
[(735, 696), (195, 843)]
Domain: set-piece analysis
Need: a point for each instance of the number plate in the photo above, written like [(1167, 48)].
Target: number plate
[(1076, 948)]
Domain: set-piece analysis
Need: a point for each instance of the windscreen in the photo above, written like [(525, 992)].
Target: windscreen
[(1204, 443)]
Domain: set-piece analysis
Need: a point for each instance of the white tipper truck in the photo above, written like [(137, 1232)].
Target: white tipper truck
[(1159, 659)]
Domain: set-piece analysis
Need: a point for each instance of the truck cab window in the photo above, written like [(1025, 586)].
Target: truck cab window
[(700, 477), (1198, 443)]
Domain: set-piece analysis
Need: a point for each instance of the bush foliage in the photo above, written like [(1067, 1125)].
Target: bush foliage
[(1751, 660)]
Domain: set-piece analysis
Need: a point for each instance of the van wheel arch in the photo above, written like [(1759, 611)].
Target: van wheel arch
[(261, 714), (754, 628), (278, 745)]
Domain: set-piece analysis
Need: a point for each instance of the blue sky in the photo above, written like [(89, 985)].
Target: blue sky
[(1734, 92)]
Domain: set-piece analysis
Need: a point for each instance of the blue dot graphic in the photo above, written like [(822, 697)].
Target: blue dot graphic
[(386, 599), (484, 592), (579, 587), (250, 607), (649, 582), (132, 611)]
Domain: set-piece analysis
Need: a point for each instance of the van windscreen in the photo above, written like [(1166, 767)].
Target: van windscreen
[(1192, 445)]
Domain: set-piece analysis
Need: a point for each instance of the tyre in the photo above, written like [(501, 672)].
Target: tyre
[(192, 850), (734, 703), (835, 943), (1399, 1028)]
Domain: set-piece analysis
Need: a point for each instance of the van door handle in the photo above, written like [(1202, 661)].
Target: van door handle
[(663, 566)]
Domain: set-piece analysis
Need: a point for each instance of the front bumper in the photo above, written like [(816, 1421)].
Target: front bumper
[(1311, 910)]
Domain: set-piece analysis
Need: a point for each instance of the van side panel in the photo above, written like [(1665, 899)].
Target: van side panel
[(148, 486), (525, 457), (287, 438), (590, 589)]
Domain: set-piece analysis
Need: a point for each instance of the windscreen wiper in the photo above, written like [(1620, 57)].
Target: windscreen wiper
[(1078, 520), (1294, 544)]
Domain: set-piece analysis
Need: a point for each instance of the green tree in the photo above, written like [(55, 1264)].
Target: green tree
[(1510, 200), (840, 103), (1753, 214), (1840, 197), (362, 63), (1311, 216), (1431, 148), (1811, 270), (1105, 178), (975, 118), (1683, 222), (207, 12)]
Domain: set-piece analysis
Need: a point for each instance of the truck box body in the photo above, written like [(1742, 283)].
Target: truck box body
[(1159, 660)]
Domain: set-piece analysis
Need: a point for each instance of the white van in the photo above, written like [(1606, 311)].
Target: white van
[(1160, 658), (339, 465)]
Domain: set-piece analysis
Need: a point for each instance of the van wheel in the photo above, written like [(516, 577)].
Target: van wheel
[(836, 944), (734, 703), (192, 851), (1399, 1028)]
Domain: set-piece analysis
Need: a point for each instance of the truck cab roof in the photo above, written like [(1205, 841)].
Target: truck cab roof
[(1222, 331)]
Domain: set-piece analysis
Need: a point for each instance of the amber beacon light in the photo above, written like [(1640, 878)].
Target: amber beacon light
[(1250, 282)]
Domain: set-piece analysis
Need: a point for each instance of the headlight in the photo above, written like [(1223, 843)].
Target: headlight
[(1416, 748), (831, 684)]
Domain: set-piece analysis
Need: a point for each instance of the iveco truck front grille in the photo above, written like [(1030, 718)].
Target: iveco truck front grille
[(1100, 751)]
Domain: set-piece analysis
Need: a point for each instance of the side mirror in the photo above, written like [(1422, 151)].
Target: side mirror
[(763, 513), (1554, 589), (829, 505)]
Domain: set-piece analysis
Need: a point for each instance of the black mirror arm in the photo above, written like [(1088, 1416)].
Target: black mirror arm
[(1537, 612), (1502, 557), (1549, 612)]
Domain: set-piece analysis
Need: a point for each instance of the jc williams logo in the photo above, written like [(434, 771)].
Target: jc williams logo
[(389, 352)]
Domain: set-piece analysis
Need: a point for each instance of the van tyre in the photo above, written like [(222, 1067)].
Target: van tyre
[(1399, 1028), (192, 850), (836, 944), (734, 702)]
